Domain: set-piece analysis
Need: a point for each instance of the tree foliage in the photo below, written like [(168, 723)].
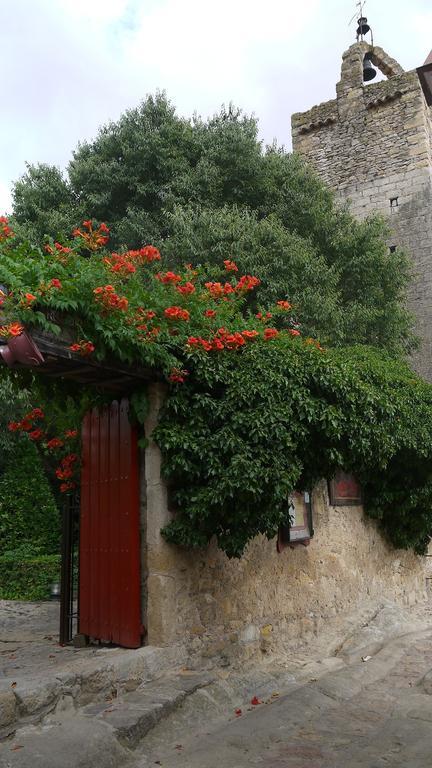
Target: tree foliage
[(254, 408), (202, 190)]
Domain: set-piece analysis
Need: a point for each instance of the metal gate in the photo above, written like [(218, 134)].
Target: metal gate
[(109, 578)]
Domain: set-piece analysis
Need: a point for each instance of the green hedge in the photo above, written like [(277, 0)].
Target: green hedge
[(27, 578), (28, 512)]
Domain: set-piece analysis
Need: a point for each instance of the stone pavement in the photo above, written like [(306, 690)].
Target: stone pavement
[(38, 676), (323, 709), (373, 714)]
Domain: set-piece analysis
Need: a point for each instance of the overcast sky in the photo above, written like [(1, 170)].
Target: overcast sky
[(68, 66)]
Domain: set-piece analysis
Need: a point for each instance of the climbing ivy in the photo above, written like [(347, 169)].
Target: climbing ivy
[(254, 409)]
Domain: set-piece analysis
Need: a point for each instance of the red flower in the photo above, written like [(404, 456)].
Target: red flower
[(293, 332), (169, 277), (210, 313), (13, 426), (238, 712), (176, 313), (217, 290), (178, 376), (197, 341), (284, 305), (71, 433), (185, 289), (265, 317), (5, 230), (247, 283), (54, 443), (36, 413), (93, 239), (14, 329), (255, 701), (83, 348), (230, 266), (250, 334), (150, 253), (29, 299), (106, 296), (270, 333), (55, 283), (64, 487), (36, 434)]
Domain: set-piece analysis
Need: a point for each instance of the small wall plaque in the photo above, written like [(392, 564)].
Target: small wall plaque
[(298, 528), (344, 490)]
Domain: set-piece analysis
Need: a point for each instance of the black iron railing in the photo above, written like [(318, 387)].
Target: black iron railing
[(69, 568)]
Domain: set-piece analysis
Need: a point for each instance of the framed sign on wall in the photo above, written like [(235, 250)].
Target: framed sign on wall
[(298, 528), (344, 490)]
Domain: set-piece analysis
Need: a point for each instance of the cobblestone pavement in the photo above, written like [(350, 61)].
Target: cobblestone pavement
[(374, 714)]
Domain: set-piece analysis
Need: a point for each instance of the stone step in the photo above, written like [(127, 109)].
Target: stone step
[(28, 700), (101, 734), (133, 715)]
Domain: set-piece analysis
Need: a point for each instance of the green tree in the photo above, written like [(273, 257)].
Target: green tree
[(202, 189)]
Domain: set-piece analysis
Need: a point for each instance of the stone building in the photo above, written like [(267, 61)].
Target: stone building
[(373, 146)]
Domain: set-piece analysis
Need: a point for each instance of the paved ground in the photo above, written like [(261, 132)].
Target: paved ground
[(328, 710), (372, 714)]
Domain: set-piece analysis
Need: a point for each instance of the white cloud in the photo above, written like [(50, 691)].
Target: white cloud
[(71, 65)]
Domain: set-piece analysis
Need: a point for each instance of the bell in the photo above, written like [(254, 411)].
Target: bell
[(363, 27), (368, 70)]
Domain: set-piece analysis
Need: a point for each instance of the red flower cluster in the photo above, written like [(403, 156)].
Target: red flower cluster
[(176, 313), (83, 348), (106, 296), (168, 278), (71, 433), (210, 313), (36, 435), (28, 299), (11, 330), (120, 264), (93, 239), (66, 469), (222, 339), (270, 333), (294, 332), (26, 425), (284, 305), (59, 249), (178, 376), (5, 230), (265, 317), (186, 289), (54, 443), (230, 266), (125, 263), (247, 283), (217, 290)]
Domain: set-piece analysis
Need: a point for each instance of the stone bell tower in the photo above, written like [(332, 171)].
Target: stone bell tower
[(373, 146)]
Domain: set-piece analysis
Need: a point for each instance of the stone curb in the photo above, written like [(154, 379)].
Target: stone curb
[(100, 734), (29, 700)]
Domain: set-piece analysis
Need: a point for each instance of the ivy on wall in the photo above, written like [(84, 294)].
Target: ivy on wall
[(254, 409)]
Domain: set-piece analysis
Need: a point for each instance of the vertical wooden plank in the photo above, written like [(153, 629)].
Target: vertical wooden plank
[(85, 528), (103, 527), (94, 529), (129, 515), (114, 522)]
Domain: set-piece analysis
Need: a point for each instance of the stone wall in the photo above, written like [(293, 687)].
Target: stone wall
[(265, 601), (373, 146)]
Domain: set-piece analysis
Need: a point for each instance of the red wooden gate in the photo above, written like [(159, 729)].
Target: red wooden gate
[(109, 580)]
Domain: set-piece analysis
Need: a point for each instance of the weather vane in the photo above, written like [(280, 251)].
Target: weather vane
[(363, 27)]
